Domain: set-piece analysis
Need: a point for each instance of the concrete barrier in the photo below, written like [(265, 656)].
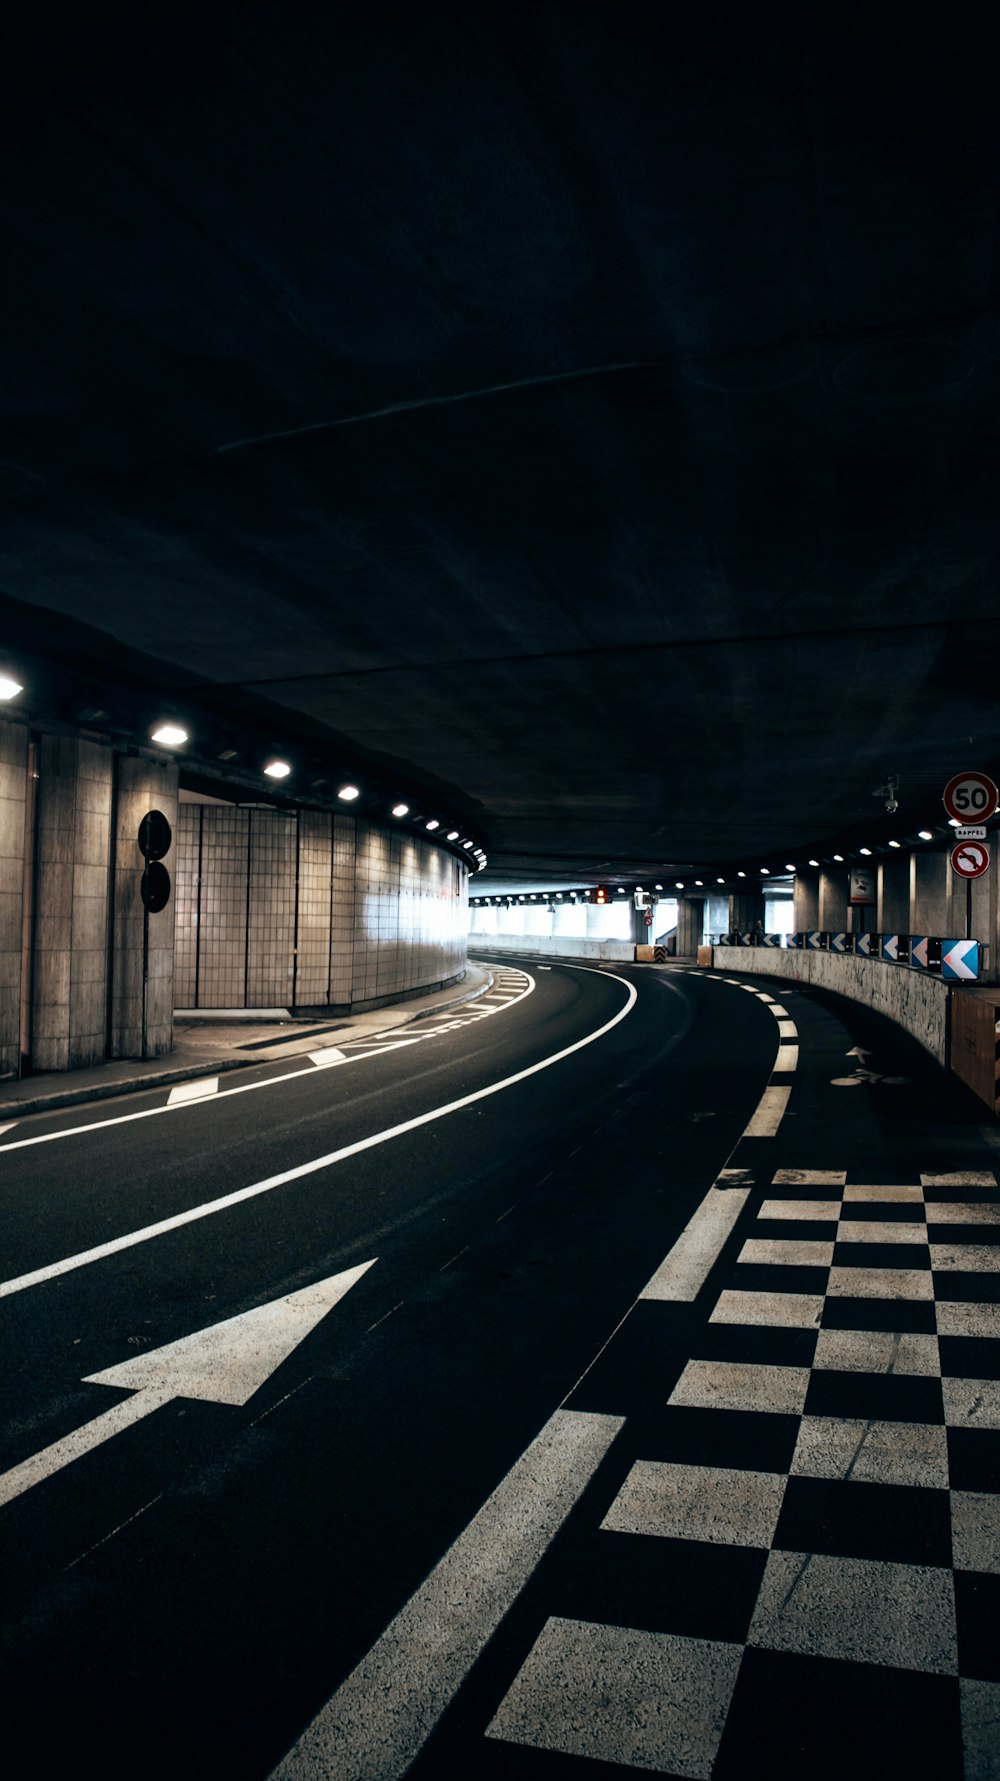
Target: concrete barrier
[(912, 999), (560, 946)]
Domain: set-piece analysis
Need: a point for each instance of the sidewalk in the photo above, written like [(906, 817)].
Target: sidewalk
[(205, 1044)]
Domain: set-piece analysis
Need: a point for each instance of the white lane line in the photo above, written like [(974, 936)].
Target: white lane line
[(210, 1207), (684, 1270), (770, 1109), (242, 1088), (787, 1059), (416, 1666), (198, 1090), (787, 1029), (329, 1056)]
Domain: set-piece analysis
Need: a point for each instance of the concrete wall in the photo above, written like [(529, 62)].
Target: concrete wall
[(142, 956), (72, 862), (310, 909), (558, 946), (911, 998)]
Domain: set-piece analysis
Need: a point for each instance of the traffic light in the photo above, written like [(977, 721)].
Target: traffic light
[(601, 894)]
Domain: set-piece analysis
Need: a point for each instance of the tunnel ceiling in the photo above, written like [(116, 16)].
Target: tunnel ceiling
[(590, 414)]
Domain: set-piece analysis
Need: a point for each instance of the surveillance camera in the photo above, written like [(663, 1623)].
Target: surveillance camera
[(891, 806)]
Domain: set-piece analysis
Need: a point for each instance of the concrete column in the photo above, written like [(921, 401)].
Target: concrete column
[(832, 908), (745, 907), (690, 926), (13, 785), (806, 895), (72, 857), (893, 891), (932, 897), (143, 784)]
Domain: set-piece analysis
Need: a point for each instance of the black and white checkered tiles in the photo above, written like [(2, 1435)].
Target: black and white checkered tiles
[(799, 1575)]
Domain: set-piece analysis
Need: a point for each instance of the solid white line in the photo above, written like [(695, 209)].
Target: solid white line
[(379, 1719), (198, 1090), (160, 1229), (767, 1118), (684, 1270), (243, 1088)]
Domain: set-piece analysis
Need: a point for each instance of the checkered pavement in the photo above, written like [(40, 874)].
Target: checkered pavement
[(799, 1573)]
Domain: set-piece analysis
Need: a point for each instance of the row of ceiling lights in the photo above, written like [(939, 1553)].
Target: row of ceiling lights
[(167, 733)]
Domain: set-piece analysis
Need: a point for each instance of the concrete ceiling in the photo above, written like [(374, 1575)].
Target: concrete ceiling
[(591, 415)]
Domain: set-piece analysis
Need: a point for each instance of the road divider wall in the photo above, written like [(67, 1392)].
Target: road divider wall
[(914, 1001), (562, 946)]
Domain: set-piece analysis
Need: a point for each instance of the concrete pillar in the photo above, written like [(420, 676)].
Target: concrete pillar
[(932, 897), (893, 890), (690, 926), (832, 904), (13, 786), (72, 859), (806, 895), (745, 907), (143, 784)]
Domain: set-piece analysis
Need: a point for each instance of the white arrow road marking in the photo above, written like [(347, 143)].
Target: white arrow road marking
[(857, 1051), (145, 1235), (224, 1364), (193, 1091)]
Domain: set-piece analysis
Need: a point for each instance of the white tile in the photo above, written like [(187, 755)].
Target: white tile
[(779, 1310), (769, 1114), (891, 1195), (959, 1318), (779, 1011), (825, 1211), (738, 1385), (786, 1060), (858, 1611), (980, 1719), (795, 1252), (613, 1694), (962, 1212), (961, 1178), (787, 1029), (867, 1230), (880, 1283), (872, 1452), (975, 1532), (877, 1351), (809, 1177), (968, 1258), (685, 1268), (724, 1508), (971, 1403)]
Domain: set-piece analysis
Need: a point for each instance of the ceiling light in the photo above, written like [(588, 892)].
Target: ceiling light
[(401, 810), (452, 834), (788, 866), (348, 793), (865, 850), (170, 735), (559, 896), (925, 835), (894, 844), (678, 885), (766, 871), (953, 822), (433, 824), (9, 687), (621, 890), (814, 862), (277, 769), (839, 858), (466, 843), (699, 881), (481, 864), (741, 874), (657, 887), (720, 881)]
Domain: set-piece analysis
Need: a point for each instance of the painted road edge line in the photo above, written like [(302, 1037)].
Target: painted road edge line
[(421, 1659), (146, 1233)]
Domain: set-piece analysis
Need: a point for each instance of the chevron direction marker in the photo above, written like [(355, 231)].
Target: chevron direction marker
[(919, 951), (224, 1364), (960, 959)]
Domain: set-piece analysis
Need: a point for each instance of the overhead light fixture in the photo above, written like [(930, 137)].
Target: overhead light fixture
[(433, 824), (766, 871), (741, 874), (466, 843), (788, 866), (699, 882), (925, 835), (839, 858), (678, 885), (621, 890), (657, 887), (277, 769), (894, 844), (452, 834), (720, 881), (348, 793), (814, 862), (168, 734), (401, 810), (864, 850), (953, 822), (9, 687)]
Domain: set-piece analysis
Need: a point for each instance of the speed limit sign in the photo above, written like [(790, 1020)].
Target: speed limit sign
[(971, 797)]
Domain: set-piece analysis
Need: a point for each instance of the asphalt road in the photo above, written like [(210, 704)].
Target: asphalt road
[(182, 1599)]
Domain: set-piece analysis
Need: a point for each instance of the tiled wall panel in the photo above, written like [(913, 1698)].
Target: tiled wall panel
[(271, 951), (13, 782), (224, 899), (312, 972), (186, 905)]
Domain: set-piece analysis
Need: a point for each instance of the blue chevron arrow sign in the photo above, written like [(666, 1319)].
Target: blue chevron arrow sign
[(960, 959), (919, 951)]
